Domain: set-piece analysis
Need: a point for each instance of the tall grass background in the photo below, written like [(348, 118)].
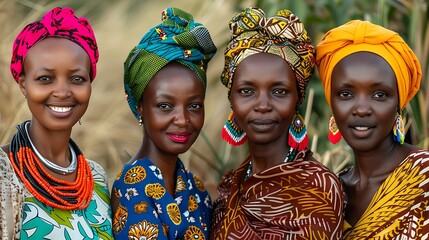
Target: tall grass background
[(110, 134)]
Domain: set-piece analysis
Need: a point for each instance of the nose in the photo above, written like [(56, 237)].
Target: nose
[(362, 107), (62, 89), (263, 103), (181, 117)]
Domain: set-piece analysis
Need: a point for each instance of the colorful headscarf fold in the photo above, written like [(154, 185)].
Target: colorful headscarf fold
[(178, 38), (363, 36), (283, 35), (58, 22)]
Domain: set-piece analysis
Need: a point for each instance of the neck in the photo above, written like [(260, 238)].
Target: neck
[(380, 161), (52, 145), (264, 156)]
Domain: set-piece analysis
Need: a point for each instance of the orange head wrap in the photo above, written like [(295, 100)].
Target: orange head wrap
[(363, 36)]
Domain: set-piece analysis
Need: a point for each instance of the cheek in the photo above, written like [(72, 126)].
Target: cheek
[(83, 95)]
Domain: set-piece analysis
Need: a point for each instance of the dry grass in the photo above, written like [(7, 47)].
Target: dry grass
[(109, 133)]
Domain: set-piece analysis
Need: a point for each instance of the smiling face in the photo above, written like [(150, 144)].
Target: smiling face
[(172, 109), (364, 98), (56, 83), (264, 97)]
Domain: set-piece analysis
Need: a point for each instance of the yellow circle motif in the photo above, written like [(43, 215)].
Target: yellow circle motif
[(143, 230), (174, 213), (154, 190), (180, 184), (194, 233), (140, 207), (135, 175), (192, 204)]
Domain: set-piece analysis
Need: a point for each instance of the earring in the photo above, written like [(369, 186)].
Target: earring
[(334, 134), (140, 121), (298, 138), (80, 121), (232, 133), (398, 128)]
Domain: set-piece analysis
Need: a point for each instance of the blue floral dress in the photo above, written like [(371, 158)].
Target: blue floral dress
[(147, 210)]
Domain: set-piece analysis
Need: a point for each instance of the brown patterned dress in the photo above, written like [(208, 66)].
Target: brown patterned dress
[(296, 200)]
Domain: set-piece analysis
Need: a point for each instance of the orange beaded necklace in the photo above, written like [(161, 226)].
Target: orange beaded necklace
[(46, 188)]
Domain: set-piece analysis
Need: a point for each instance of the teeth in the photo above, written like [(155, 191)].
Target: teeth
[(362, 128), (60, 109)]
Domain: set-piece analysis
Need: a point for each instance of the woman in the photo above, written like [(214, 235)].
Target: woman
[(370, 75), (279, 191), (155, 197), (48, 189)]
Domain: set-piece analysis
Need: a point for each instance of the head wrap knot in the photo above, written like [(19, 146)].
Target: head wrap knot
[(283, 35), (178, 38), (362, 36), (58, 22)]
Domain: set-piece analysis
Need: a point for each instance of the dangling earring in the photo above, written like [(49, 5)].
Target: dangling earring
[(334, 134), (140, 121), (298, 138), (232, 133), (398, 128), (80, 121)]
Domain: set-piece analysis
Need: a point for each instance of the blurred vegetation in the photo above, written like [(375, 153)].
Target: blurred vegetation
[(110, 134)]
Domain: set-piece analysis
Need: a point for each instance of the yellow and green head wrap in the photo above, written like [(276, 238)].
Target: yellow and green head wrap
[(177, 39), (283, 35), (363, 36)]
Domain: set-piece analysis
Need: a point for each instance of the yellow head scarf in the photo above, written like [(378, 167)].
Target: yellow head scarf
[(357, 36)]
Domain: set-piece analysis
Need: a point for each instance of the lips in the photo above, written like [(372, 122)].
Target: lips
[(179, 137), (362, 130), (262, 125)]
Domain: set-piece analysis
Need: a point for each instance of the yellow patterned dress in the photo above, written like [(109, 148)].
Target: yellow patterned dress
[(400, 207), (295, 200)]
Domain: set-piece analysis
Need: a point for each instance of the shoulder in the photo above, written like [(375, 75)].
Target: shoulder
[(98, 172)]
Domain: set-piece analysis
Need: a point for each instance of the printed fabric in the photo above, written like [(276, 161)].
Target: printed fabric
[(22, 216), (399, 209), (295, 200), (147, 211)]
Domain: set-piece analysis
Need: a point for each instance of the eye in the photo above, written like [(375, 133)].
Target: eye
[(380, 95), (279, 91), (345, 94), (44, 78), (245, 91), (195, 106), (164, 106), (78, 79)]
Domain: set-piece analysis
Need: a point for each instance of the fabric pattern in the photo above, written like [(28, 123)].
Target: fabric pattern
[(59, 22), (283, 35), (24, 217), (356, 36), (177, 39), (147, 211), (296, 200), (399, 209)]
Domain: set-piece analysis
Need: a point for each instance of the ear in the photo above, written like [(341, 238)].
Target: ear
[(140, 109), (21, 82)]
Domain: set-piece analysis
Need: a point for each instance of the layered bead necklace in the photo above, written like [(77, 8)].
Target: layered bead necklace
[(29, 164), (291, 154)]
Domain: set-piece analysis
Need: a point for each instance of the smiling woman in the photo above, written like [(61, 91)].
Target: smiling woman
[(42, 169), (165, 81)]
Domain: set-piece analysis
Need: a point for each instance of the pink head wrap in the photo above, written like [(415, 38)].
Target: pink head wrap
[(59, 22)]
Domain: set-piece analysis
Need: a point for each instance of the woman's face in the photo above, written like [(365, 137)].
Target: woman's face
[(172, 109), (264, 97), (364, 99), (56, 83)]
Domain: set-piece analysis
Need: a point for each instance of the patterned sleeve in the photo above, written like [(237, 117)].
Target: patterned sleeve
[(136, 214)]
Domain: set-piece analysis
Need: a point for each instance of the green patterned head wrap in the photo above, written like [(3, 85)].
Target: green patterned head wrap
[(177, 39), (283, 35)]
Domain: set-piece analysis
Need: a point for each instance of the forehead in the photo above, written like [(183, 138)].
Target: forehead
[(264, 66), (363, 68)]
